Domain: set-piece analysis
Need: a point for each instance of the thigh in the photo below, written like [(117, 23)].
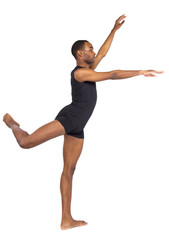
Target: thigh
[(45, 133), (71, 150)]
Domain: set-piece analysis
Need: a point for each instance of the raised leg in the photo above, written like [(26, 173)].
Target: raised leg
[(71, 153), (41, 135)]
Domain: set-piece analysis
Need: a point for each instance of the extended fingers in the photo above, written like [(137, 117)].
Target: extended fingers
[(155, 72), (121, 18), (152, 73), (119, 22), (149, 75), (122, 22), (159, 72)]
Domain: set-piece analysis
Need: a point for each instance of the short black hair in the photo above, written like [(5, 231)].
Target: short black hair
[(78, 45)]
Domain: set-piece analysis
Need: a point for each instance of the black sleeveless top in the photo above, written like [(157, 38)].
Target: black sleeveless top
[(84, 97)]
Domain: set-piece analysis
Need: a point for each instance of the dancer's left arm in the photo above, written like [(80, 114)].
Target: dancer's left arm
[(106, 45)]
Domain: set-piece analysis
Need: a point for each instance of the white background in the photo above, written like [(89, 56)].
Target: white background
[(121, 181)]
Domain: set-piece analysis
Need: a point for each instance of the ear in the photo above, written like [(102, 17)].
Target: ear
[(79, 53)]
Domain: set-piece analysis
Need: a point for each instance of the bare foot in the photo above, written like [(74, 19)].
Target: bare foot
[(9, 121), (71, 224)]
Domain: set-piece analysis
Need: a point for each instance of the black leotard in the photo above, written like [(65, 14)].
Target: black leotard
[(75, 116)]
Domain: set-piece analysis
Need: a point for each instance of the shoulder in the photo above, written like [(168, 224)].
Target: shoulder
[(81, 74)]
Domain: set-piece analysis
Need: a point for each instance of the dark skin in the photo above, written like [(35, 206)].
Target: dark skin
[(72, 147), (87, 58)]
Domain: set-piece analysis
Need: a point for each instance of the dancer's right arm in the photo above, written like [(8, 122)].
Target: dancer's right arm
[(85, 74)]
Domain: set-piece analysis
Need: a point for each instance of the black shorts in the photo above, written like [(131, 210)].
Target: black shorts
[(68, 126)]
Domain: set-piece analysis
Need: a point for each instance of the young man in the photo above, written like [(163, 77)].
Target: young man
[(72, 119)]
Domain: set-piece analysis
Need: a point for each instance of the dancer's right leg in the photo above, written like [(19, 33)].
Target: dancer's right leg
[(71, 152), (41, 135)]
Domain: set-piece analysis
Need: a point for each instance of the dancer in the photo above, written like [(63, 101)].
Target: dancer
[(72, 119)]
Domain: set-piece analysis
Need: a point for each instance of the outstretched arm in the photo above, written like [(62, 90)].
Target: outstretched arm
[(85, 74), (106, 45)]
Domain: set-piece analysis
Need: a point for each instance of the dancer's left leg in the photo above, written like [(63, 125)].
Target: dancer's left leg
[(41, 135)]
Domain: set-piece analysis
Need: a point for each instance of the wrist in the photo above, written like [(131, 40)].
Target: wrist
[(141, 72), (114, 30)]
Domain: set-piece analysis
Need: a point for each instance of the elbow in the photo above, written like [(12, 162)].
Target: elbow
[(115, 74), (102, 55)]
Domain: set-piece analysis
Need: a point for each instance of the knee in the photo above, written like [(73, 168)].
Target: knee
[(69, 170), (72, 169), (24, 144)]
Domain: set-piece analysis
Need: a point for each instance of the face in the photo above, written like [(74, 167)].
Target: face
[(88, 54)]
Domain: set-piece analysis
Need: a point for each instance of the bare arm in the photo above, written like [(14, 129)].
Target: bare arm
[(106, 45), (85, 74)]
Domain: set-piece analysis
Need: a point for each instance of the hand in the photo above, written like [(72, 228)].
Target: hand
[(151, 73), (119, 22)]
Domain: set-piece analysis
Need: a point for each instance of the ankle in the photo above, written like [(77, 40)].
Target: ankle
[(14, 126), (66, 218)]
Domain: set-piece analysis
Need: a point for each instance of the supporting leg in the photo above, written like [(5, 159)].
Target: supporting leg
[(41, 135), (71, 153)]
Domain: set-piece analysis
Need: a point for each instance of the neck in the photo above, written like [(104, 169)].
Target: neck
[(82, 64)]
